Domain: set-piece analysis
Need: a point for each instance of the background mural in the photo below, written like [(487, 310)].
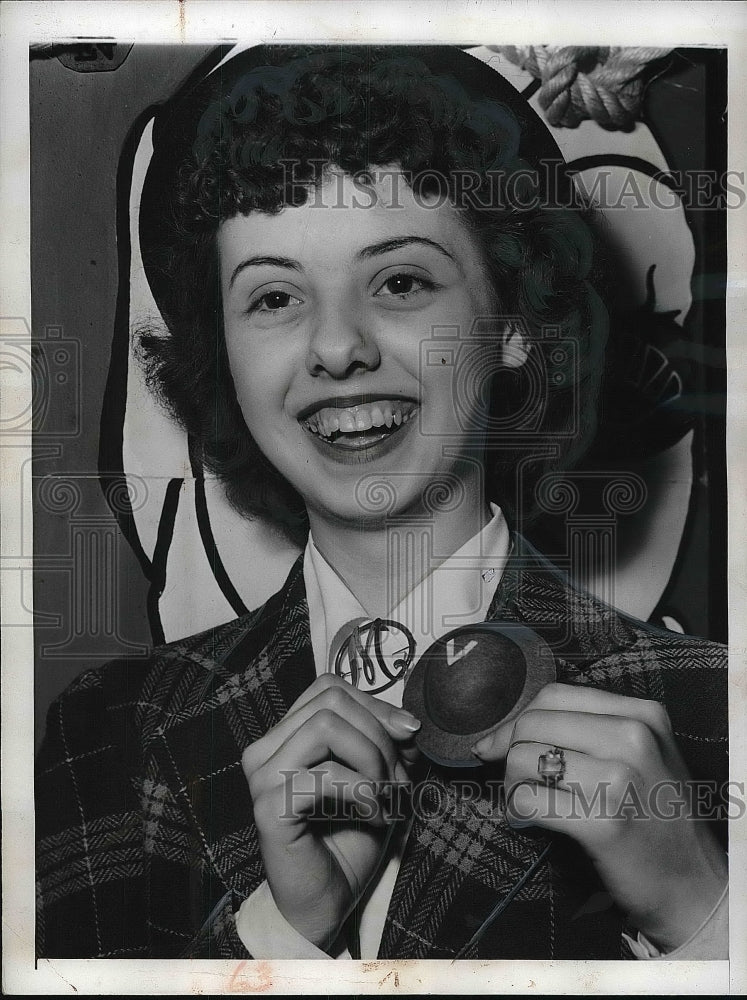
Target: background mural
[(134, 545)]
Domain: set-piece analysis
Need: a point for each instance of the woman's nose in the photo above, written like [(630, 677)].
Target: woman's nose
[(341, 344)]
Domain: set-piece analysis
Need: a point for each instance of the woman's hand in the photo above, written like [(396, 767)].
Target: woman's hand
[(666, 874), (328, 755)]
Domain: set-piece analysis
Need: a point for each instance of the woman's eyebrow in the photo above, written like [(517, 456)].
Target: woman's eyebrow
[(293, 265), (376, 249)]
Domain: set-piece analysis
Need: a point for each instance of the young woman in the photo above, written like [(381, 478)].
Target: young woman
[(364, 258)]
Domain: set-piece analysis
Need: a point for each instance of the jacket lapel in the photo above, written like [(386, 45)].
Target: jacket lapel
[(461, 858), (578, 627)]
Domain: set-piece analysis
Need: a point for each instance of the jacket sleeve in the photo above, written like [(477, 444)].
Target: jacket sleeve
[(89, 830)]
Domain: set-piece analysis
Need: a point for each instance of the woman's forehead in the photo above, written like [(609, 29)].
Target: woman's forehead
[(347, 216)]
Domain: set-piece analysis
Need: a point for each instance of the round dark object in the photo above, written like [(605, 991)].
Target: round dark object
[(471, 681), (466, 688)]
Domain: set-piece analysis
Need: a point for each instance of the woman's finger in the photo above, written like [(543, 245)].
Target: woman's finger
[(522, 764), (606, 737), (578, 698), (599, 785), (323, 737), (398, 722), (409, 754), (332, 698), (331, 791), (530, 803), (593, 804), (582, 698)]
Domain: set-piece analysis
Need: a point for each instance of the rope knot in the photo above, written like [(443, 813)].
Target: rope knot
[(581, 82)]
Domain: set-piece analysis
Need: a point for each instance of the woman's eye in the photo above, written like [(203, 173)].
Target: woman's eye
[(403, 285), (274, 302)]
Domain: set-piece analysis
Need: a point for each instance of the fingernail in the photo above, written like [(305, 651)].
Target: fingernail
[(482, 746), (405, 720)]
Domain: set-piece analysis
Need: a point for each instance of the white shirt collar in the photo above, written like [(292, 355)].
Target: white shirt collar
[(457, 592)]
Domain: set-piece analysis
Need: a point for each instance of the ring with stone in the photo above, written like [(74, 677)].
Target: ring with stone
[(551, 765)]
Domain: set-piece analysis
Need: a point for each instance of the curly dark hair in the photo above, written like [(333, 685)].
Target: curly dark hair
[(257, 136)]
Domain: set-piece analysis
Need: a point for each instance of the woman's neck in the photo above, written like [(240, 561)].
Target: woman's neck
[(381, 562)]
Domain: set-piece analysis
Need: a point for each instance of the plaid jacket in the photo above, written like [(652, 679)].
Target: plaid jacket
[(146, 844)]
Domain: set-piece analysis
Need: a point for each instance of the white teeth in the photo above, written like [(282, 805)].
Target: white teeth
[(327, 420), (347, 422)]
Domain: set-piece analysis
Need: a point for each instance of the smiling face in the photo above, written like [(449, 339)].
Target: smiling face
[(325, 311)]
